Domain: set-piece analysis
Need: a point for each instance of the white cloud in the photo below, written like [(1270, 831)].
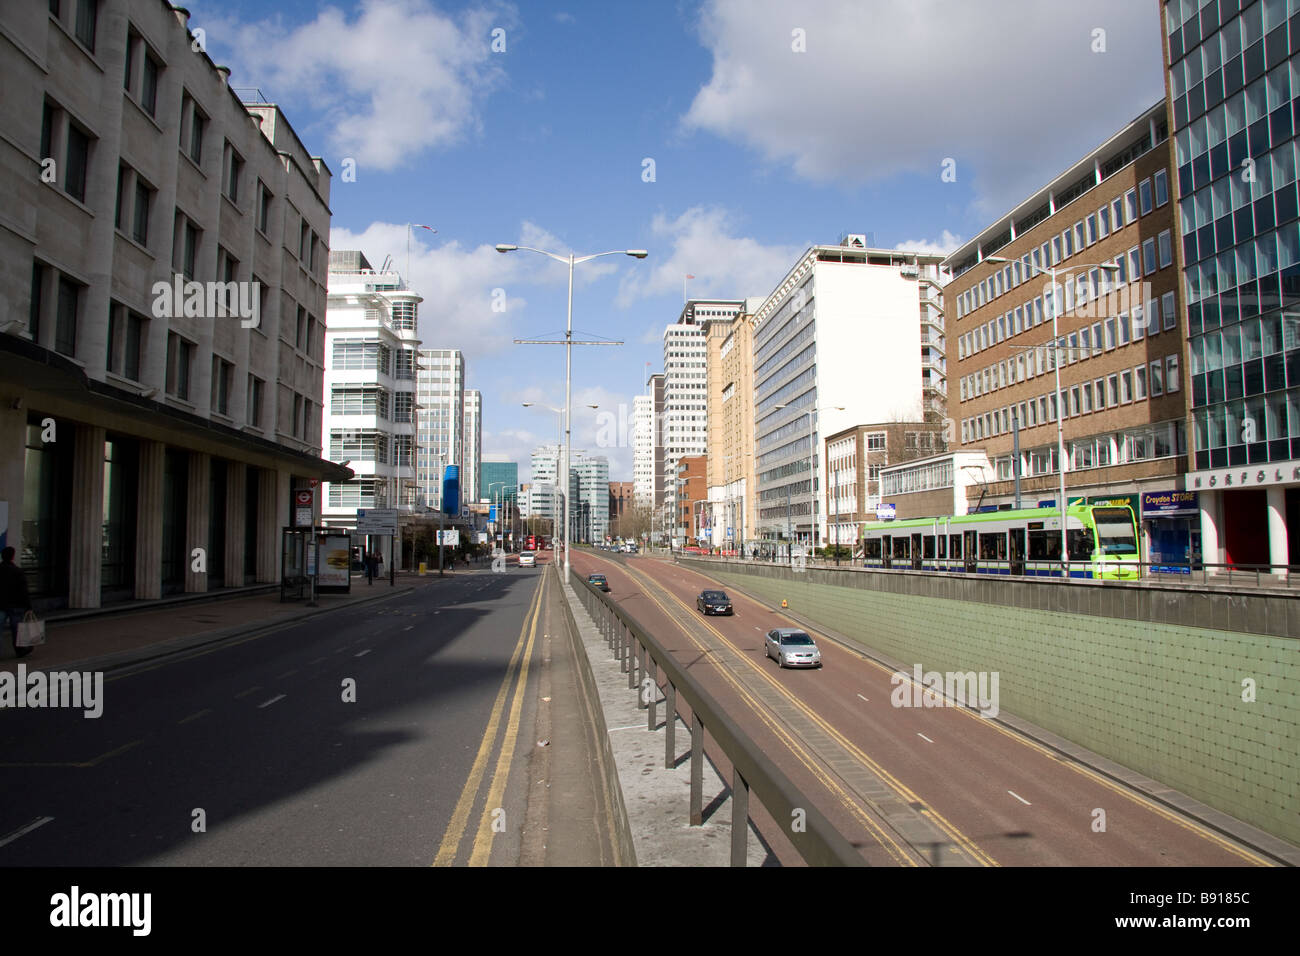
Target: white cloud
[(1010, 89), (946, 243), (392, 79), (703, 243)]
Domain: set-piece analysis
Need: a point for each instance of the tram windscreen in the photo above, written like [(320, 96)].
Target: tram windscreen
[(1115, 533)]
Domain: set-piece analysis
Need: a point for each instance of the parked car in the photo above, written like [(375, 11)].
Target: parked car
[(792, 647), (713, 602), (598, 580), (527, 559)]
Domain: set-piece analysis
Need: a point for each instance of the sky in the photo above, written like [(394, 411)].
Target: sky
[(722, 136)]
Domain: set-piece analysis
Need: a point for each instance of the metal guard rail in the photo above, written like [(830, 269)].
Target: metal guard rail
[(818, 843)]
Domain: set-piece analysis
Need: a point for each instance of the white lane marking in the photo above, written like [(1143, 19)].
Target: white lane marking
[(271, 701), (640, 726), (362, 653), (928, 740), (23, 831), (408, 627), (1020, 798), (864, 698)]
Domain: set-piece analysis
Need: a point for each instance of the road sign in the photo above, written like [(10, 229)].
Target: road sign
[(450, 538), (885, 512), (731, 532), (303, 507), (376, 521)]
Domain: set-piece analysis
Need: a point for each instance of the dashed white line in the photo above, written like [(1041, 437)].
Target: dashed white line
[(271, 701), (928, 740), (363, 653), (1020, 798), (864, 698), (23, 831), (408, 627)]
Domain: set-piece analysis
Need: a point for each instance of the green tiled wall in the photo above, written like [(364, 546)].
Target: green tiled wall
[(1165, 700)]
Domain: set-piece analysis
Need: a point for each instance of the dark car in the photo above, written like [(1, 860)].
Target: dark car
[(714, 602), (598, 580)]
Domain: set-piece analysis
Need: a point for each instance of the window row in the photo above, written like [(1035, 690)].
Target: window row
[(1121, 388), (1150, 194)]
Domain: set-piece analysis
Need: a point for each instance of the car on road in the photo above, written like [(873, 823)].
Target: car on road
[(527, 559), (598, 581), (714, 602), (792, 647)]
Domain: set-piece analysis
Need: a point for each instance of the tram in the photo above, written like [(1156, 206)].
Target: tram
[(1102, 542)]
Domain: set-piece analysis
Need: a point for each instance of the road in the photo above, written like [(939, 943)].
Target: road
[(398, 733), (908, 785)]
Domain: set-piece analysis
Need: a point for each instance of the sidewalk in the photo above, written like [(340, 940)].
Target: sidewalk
[(109, 637)]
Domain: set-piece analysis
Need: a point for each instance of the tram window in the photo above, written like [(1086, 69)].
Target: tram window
[(942, 543), (871, 549), (900, 547), (1080, 541), (927, 546), (993, 547), (954, 546), (1044, 546)]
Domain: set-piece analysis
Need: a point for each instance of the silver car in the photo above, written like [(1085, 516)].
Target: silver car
[(792, 648)]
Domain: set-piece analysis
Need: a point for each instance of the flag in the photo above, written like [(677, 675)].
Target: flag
[(690, 277), (418, 226)]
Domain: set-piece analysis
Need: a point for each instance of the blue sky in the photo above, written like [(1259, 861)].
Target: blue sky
[(771, 125)]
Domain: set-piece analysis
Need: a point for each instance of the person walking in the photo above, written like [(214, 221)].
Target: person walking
[(15, 601)]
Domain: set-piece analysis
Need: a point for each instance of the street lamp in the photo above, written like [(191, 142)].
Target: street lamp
[(568, 356), (1053, 272), (812, 466)]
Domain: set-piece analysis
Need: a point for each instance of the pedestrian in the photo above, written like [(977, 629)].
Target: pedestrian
[(370, 567), (14, 598)]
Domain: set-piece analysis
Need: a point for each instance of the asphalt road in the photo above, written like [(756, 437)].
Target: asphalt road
[(909, 786), (257, 741)]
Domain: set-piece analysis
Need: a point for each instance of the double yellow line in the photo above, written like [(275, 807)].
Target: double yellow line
[(519, 663)]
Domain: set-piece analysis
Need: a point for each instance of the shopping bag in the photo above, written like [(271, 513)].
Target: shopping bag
[(31, 630)]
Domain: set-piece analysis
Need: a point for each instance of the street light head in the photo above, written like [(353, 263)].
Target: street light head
[(505, 247), (528, 404), (1108, 267), (637, 253), (593, 406), (996, 259)]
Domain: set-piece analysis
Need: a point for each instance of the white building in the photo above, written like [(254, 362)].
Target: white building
[(370, 366), (472, 462), (643, 450), (441, 390), (685, 415), (135, 429), (849, 335)]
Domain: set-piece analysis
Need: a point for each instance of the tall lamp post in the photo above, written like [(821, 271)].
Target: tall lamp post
[(568, 356), (1053, 272), (812, 465)]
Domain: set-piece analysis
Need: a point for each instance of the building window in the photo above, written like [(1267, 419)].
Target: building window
[(1139, 383), (1130, 206), (188, 247), (143, 203), (1157, 378), (222, 371), (1112, 391), (263, 207), (84, 25), (254, 411), (1171, 373), (1167, 306), (65, 322), (1144, 196), (1149, 256), (78, 161), (125, 337), (1125, 387), (232, 170), (180, 356), (1166, 248), (1162, 187)]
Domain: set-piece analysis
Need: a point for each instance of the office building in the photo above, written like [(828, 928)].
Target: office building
[(589, 494), (730, 440), (441, 395), (643, 446), (855, 458), (1119, 337), (850, 334), (165, 285), (473, 444), (370, 366), (1233, 93)]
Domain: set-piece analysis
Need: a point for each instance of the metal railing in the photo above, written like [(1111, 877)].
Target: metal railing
[(637, 650), (1185, 573)]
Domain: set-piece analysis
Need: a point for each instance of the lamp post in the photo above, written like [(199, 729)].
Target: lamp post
[(568, 356), (812, 466), (1053, 272)]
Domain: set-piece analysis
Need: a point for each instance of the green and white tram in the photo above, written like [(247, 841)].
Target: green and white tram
[(1102, 542)]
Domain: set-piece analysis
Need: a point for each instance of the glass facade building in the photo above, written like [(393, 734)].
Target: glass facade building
[(1234, 102)]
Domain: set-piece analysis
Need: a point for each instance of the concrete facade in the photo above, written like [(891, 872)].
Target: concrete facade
[(141, 426)]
